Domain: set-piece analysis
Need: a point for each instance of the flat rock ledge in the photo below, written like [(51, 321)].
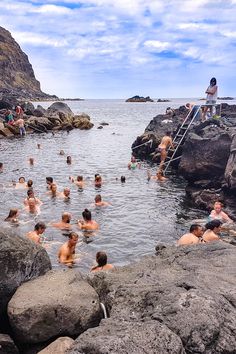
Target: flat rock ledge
[(183, 300)]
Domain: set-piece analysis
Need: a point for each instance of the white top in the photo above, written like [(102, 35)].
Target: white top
[(212, 97)]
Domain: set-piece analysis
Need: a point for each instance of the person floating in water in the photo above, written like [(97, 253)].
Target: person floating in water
[(218, 214), (166, 142), (87, 223), (133, 164), (212, 230), (99, 202), (32, 207), (101, 259), (194, 236), (64, 224), (65, 194), (66, 254), (158, 177), (36, 235), (21, 183)]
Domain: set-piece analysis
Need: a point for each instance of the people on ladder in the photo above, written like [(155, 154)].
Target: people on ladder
[(166, 142)]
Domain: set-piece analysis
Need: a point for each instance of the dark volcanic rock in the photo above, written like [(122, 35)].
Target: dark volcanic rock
[(230, 171), (20, 261), (139, 99), (60, 303), (186, 292), (17, 77), (7, 346), (59, 107), (59, 346)]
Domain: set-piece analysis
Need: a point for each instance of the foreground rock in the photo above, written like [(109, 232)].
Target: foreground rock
[(181, 301), (59, 346), (60, 303), (20, 261), (7, 346), (139, 99)]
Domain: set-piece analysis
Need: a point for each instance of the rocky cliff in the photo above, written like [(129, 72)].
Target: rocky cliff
[(17, 77)]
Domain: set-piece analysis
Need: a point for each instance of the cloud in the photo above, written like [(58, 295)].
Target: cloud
[(130, 38)]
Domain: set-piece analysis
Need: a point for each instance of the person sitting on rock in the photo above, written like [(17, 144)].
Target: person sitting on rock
[(64, 224), (218, 214), (87, 223), (212, 229), (194, 236), (66, 254), (9, 117), (99, 202), (13, 216), (35, 235), (166, 142), (19, 112), (101, 259)]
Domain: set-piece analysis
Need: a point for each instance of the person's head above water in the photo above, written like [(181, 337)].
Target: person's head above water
[(68, 159), (40, 227), (79, 178), (213, 225), (122, 179), (66, 192), (218, 207), (30, 183), (73, 238), (98, 198), (101, 259), (31, 160), (53, 187), (213, 81), (31, 203), (49, 180), (30, 193), (13, 213), (22, 180), (87, 215), (133, 159), (66, 217), (196, 229)]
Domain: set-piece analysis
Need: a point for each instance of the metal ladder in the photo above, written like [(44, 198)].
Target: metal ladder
[(179, 137)]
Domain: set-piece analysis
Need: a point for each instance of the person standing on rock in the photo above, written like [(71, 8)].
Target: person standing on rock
[(19, 112), (166, 142), (21, 124), (212, 94), (194, 236), (66, 254)]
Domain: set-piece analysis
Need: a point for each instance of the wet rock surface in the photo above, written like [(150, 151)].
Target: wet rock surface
[(7, 345), (59, 303), (181, 301), (20, 261)]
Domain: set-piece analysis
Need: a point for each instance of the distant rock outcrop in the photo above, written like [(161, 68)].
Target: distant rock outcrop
[(17, 79), (139, 99)]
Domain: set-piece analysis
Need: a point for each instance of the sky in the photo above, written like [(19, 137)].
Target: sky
[(122, 48)]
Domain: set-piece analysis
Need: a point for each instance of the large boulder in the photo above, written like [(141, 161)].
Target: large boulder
[(82, 121), (59, 346), (60, 303), (125, 337), (28, 108), (7, 345), (57, 107), (20, 261), (39, 123), (230, 171), (190, 290), (205, 154)]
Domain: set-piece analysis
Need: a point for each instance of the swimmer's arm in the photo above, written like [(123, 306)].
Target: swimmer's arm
[(226, 217), (63, 258)]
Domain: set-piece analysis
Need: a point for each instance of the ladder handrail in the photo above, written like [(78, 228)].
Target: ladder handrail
[(183, 135)]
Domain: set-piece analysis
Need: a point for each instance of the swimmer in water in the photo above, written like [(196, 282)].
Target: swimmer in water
[(194, 236), (35, 235), (39, 146), (30, 194), (218, 214), (65, 194), (122, 179), (12, 216), (64, 224), (158, 177), (53, 190), (1, 167), (133, 164), (66, 254), (212, 229), (101, 259), (32, 206), (98, 180), (30, 183), (49, 181), (62, 152), (31, 161), (21, 183), (68, 160), (87, 223), (79, 181), (99, 202), (166, 142)]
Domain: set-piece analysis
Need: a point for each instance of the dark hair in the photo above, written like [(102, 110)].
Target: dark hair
[(194, 227), (30, 183), (73, 234), (30, 191), (68, 159), (212, 224), (79, 178), (101, 258), (98, 198), (213, 81), (168, 133), (87, 215), (122, 179), (22, 177), (49, 179), (96, 174), (1, 164), (40, 225), (11, 214)]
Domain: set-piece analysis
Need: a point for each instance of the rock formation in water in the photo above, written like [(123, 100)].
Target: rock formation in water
[(139, 99), (17, 79), (58, 116), (208, 155)]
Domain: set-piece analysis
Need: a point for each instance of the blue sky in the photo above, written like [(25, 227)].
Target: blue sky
[(120, 48)]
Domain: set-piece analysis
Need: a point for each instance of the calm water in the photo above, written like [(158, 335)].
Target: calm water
[(141, 213)]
